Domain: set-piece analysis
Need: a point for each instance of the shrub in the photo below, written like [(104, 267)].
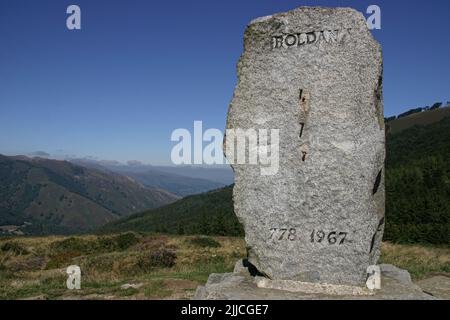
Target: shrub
[(205, 242), (29, 263), (14, 247), (163, 258), (100, 245), (61, 259), (72, 244), (160, 258), (116, 243), (125, 240)]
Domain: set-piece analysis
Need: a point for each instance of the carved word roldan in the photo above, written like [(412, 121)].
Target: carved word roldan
[(291, 40)]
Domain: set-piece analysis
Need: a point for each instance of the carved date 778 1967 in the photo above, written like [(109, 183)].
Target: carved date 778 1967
[(317, 236)]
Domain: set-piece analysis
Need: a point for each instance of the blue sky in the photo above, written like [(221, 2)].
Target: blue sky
[(140, 69)]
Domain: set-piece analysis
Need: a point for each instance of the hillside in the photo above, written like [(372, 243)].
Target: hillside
[(418, 184), (181, 181), (41, 196), (420, 118), (206, 213), (417, 194)]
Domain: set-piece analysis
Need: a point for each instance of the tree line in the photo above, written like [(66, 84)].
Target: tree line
[(435, 106)]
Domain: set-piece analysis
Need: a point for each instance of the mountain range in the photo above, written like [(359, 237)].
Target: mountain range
[(180, 180), (43, 196)]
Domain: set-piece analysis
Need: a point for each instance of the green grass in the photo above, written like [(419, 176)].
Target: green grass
[(157, 289), (127, 292)]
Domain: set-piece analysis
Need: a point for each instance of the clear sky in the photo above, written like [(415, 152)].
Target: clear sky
[(140, 69)]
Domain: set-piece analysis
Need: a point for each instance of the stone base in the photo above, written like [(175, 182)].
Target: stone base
[(313, 288), (437, 286), (242, 285)]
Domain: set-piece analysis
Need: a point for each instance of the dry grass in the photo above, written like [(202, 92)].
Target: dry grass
[(420, 261), (35, 267)]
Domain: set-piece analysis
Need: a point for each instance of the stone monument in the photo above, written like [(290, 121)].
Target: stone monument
[(315, 224)]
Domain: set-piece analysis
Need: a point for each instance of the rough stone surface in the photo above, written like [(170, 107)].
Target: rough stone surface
[(437, 286), (315, 288), (243, 286), (131, 285), (396, 273), (316, 75), (239, 267)]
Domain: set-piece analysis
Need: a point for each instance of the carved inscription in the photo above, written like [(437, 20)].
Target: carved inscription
[(332, 237), (291, 40), (316, 236), (283, 234), (304, 99)]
